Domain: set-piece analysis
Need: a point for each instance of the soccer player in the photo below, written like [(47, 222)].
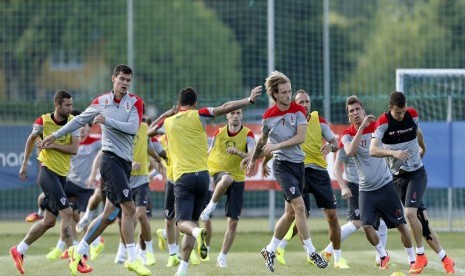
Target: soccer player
[(404, 148), (377, 195), (188, 144), (230, 145), (119, 114), (55, 162), (285, 125), (76, 189), (349, 191), (139, 184), (317, 180)]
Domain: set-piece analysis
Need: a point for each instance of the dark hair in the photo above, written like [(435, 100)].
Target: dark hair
[(122, 68), (187, 96), (398, 99), (60, 95), (353, 100), (75, 112)]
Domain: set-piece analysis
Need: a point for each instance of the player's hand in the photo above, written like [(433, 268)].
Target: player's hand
[(401, 154), (23, 174), (99, 119), (136, 166), (251, 168), (269, 148), (325, 149), (266, 170), (367, 121), (231, 150), (345, 192), (257, 91), (245, 162), (46, 142)]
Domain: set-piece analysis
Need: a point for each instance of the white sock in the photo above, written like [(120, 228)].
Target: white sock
[(346, 230), (329, 248), (421, 250), (131, 250), (40, 212), (173, 249), (308, 245), (382, 232), (82, 248), (222, 256), (441, 254), (271, 247), (196, 232), (121, 251), (61, 245), (183, 266), (282, 244), (163, 233), (337, 255), (22, 247), (410, 254), (380, 249), (149, 246)]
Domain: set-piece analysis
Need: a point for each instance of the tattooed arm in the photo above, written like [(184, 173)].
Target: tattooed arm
[(258, 152)]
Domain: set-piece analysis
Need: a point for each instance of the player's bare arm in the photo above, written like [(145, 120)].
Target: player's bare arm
[(233, 105), (338, 172), (68, 149), (352, 147), (155, 125), (28, 148), (421, 142), (377, 151)]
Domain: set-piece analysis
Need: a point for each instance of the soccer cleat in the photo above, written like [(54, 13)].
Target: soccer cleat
[(77, 262), (269, 259), (280, 255), (326, 255), (96, 250), (54, 254), (222, 262), (149, 259), (202, 248), (161, 240), (448, 265), (384, 264), (83, 222), (18, 258), (207, 259), (64, 255), (420, 263), (173, 260), (316, 260), (193, 259), (33, 217), (206, 213), (138, 268), (341, 264)]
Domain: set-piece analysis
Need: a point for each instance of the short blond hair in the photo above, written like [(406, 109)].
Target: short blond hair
[(273, 80)]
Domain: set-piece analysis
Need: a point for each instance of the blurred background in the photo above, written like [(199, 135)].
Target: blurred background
[(331, 48)]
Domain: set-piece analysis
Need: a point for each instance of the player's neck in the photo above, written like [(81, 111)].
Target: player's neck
[(282, 107), (234, 129), (57, 117)]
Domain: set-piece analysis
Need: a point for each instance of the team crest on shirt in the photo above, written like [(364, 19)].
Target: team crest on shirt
[(127, 106), (63, 200), (292, 189), (292, 119), (125, 192)]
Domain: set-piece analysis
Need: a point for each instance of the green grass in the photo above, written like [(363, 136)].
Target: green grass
[(244, 258)]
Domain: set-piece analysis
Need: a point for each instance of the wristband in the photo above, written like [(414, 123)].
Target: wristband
[(332, 148), (250, 101)]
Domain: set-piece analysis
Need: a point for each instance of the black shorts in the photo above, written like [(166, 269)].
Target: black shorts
[(411, 187), (78, 194), (290, 176), (141, 197), (353, 212), (190, 191), (115, 173), (235, 197), (384, 203), (318, 183), (52, 185), (169, 200)]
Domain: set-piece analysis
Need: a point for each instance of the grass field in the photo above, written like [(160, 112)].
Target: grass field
[(244, 258)]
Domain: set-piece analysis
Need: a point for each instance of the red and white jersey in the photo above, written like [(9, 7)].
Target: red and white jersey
[(400, 135)]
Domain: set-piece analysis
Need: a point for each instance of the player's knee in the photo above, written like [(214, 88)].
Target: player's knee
[(141, 214), (368, 228)]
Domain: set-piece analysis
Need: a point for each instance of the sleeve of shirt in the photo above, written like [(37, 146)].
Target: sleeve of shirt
[(132, 125), (301, 119), (413, 112), (346, 139), (206, 115), (342, 156), (381, 127), (157, 147), (250, 141), (38, 126), (326, 131)]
